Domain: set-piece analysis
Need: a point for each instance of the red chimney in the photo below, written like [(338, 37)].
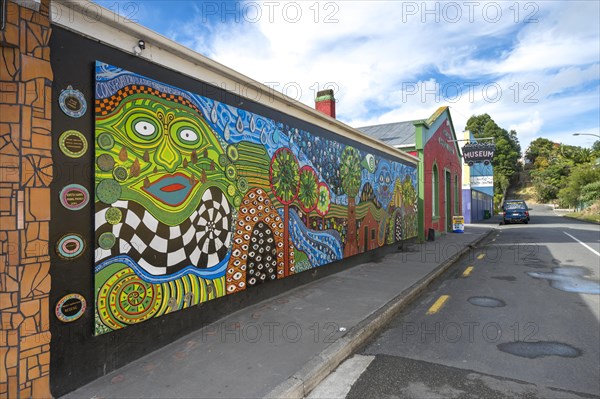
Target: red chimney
[(325, 102)]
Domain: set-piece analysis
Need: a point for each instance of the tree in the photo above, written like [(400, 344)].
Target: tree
[(583, 155), (590, 192), (508, 150), (580, 176), (285, 179), (539, 147), (350, 179), (596, 148), (549, 180), (324, 202), (307, 191), (557, 169)]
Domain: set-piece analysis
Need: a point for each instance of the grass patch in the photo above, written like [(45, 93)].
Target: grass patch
[(589, 214), (524, 190), (528, 194)]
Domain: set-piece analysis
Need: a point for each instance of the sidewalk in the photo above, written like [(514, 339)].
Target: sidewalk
[(285, 346)]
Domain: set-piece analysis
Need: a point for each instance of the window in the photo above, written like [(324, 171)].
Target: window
[(435, 191), (516, 204)]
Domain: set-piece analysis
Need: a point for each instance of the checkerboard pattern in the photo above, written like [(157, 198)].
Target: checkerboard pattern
[(105, 106), (202, 240)]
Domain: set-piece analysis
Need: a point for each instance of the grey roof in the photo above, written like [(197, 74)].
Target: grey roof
[(394, 134)]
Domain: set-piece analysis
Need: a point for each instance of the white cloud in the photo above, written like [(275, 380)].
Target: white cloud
[(373, 52), (529, 127)]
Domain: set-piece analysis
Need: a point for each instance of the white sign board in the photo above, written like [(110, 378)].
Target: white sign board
[(482, 181)]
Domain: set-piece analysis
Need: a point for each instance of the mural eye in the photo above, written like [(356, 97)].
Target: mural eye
[(387, 179), (187, 135), (144, 128)]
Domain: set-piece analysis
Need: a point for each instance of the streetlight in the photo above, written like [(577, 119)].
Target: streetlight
[(586, 134)]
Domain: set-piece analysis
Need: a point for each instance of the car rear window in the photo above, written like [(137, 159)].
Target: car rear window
[(515, 205)]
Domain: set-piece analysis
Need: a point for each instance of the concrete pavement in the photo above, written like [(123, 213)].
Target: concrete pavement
[(283, 347)]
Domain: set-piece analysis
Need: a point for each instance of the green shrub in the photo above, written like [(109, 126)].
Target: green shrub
[(580, 176), (590, 192)]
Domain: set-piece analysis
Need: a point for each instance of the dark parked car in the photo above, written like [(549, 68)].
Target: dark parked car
[(515, 211)]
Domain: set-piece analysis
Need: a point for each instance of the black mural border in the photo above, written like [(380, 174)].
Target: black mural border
[(77, 356)]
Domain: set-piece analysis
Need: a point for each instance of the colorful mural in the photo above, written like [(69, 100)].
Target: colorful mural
[(196, 199)]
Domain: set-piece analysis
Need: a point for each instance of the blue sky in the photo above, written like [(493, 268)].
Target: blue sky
[(533, 66)]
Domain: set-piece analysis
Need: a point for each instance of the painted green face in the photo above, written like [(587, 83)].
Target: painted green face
[(162, 148)]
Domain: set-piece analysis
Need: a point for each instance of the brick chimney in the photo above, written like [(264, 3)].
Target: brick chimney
[(325, 102)]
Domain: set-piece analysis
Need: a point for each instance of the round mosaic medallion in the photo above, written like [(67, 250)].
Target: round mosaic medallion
[(105, 162), (107, 240), (232, 153), (108, 191), (223, 160), (237, 201), (231, 189), (120, 174), (70, 308), (231, 172), (72, 143), (113, 215), (72, 102), (106, 141), (74, 197), (70, 246), (242, 184)]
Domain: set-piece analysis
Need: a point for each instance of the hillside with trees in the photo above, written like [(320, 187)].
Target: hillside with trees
[(564, 174)]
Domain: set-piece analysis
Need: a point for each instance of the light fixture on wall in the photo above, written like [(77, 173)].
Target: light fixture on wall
[(137, 49)]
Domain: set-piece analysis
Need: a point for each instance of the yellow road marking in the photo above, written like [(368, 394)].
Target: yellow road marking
[(467, 271), (480, 256), (438, 304)]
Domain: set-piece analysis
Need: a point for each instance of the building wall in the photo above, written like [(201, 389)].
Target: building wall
[(25, 175), (441, 151), (466, 204), (480, 202), (166, 156)]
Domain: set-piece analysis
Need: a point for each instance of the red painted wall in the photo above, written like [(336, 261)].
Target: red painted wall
[(369, 226), (441, 151)]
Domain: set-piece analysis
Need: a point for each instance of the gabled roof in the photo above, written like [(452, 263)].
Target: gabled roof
[(402, 134), (394, 134)]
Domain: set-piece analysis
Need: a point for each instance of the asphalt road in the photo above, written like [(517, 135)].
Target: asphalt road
[(516, 318)]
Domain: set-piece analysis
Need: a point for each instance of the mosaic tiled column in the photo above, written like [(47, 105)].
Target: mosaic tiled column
[(25, 176)]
